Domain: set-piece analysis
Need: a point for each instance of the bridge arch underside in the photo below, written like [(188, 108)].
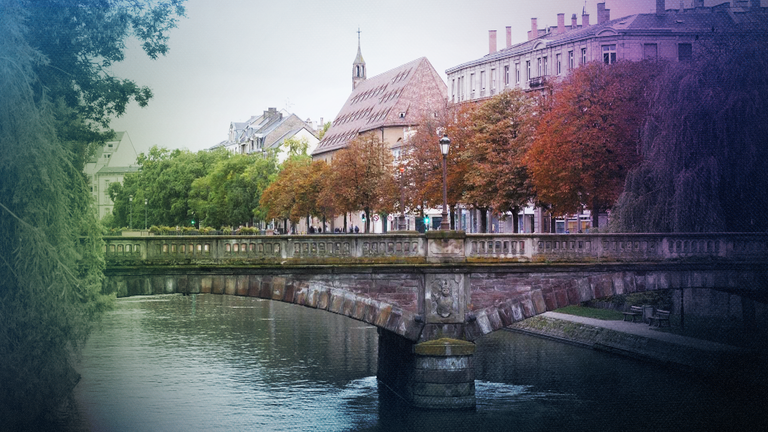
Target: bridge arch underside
[(401, 300)]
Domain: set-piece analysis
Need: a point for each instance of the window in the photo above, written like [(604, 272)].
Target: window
[(453, 90), (559, 63), (493, 79), (528, 69), (583, 56), (482, 80), (650, 51), (538, 66), (609, 54), (545, 70), (517, 73), (570, 60), (472, 86), (506, 75), (684, 51)]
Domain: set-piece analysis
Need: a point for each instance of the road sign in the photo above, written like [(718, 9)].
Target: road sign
[(375, 217), (390, 218)]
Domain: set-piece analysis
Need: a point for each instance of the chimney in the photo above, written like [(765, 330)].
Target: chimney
[(534, 33), (509, 36), (660, 7), (560, 23), (603, 14), (491, 41), (574, 22), (584, 20)]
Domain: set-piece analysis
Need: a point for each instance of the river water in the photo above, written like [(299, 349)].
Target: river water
[(224, 363)]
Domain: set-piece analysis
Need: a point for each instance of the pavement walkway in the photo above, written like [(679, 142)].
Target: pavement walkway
[(644, 330)]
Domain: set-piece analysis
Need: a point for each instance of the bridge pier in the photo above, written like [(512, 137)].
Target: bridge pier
[(437, 374)]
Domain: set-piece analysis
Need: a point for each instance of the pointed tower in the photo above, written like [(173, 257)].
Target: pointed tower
[(358, 67)]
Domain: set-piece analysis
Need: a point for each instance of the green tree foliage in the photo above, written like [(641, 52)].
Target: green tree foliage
[(51, 260), (229, 194), (80, 40), (704, 145), (165, 179)]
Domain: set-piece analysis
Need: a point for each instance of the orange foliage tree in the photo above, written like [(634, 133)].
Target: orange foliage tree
[(503, 129), (422, 160), (363, 177), (587, 141)]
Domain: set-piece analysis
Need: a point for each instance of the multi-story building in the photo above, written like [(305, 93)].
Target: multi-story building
[(551, 53), (109, 165), (268, 132)]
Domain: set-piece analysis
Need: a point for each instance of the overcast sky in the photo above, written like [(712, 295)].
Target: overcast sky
[(230, 59)]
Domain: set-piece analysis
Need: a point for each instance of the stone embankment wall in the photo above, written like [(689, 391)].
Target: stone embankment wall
[(711, 362)]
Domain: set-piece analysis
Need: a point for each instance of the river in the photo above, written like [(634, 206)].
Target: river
[(224, 363)]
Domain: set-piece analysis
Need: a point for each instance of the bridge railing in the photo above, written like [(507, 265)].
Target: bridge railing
[(455, 247)]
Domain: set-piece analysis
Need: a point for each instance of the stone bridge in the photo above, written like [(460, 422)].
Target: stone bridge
[(432, 295)]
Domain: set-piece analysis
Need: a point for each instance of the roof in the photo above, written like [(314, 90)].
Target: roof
[(398, 97)]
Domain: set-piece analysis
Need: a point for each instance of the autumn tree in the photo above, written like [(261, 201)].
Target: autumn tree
[(363, 174), (422, 160), (704, 145), (503, 128), (588, 140), (280, 200)]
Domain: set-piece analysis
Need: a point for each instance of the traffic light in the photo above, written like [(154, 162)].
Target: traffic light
[(193, 222), (426, 221)]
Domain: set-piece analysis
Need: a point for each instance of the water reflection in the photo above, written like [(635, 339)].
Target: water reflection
[(211, 362)]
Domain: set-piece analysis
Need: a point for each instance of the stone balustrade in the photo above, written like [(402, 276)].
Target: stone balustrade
[(435, 247)]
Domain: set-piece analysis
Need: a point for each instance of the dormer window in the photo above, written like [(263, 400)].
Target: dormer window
[(402, 115)]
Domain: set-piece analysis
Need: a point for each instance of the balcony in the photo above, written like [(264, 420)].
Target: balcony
[(537, 81)]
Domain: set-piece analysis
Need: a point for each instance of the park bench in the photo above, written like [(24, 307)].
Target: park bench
[(633, 312), (659, 317)]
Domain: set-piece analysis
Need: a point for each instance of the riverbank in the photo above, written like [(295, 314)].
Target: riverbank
[(639, 341)]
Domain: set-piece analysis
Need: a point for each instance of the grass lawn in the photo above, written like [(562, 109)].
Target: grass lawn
[(602, 314)]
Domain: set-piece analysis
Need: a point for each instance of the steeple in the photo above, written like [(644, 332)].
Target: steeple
[(358, 67)]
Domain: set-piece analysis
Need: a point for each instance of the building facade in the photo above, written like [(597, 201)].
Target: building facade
[(268, 132), (109, 165), (551, 53), (390, 105)]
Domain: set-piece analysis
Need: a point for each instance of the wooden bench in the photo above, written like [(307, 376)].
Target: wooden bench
[(634, 312), (659, 317)]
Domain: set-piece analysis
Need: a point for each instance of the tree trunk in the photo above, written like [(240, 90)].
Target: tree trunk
[(483, 219), (345, 222), (452, 213), (367, 220), (595, 214), (515, 222)]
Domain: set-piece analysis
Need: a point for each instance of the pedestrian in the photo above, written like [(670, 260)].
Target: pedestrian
[(357, 230), (311, 230)]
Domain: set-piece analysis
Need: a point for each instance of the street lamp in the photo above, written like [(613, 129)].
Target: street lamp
[(445, 145), (145, 213), (401, 219), (130, 200)]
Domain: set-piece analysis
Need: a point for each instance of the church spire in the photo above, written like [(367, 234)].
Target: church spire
[(358, 67)]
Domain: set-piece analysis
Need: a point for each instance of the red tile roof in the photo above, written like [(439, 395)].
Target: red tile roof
[(398, 97)]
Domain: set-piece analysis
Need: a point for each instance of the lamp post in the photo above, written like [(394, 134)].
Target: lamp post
[(445, 145), (145, 213), (130, 201), (401, 219)]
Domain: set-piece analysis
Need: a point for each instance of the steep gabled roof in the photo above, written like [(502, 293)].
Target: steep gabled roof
[(398, 97)]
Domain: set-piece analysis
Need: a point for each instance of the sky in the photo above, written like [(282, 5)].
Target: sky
[(231, 59)]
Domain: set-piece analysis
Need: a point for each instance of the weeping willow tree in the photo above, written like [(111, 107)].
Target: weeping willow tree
[(705, 145), (50, 249)]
